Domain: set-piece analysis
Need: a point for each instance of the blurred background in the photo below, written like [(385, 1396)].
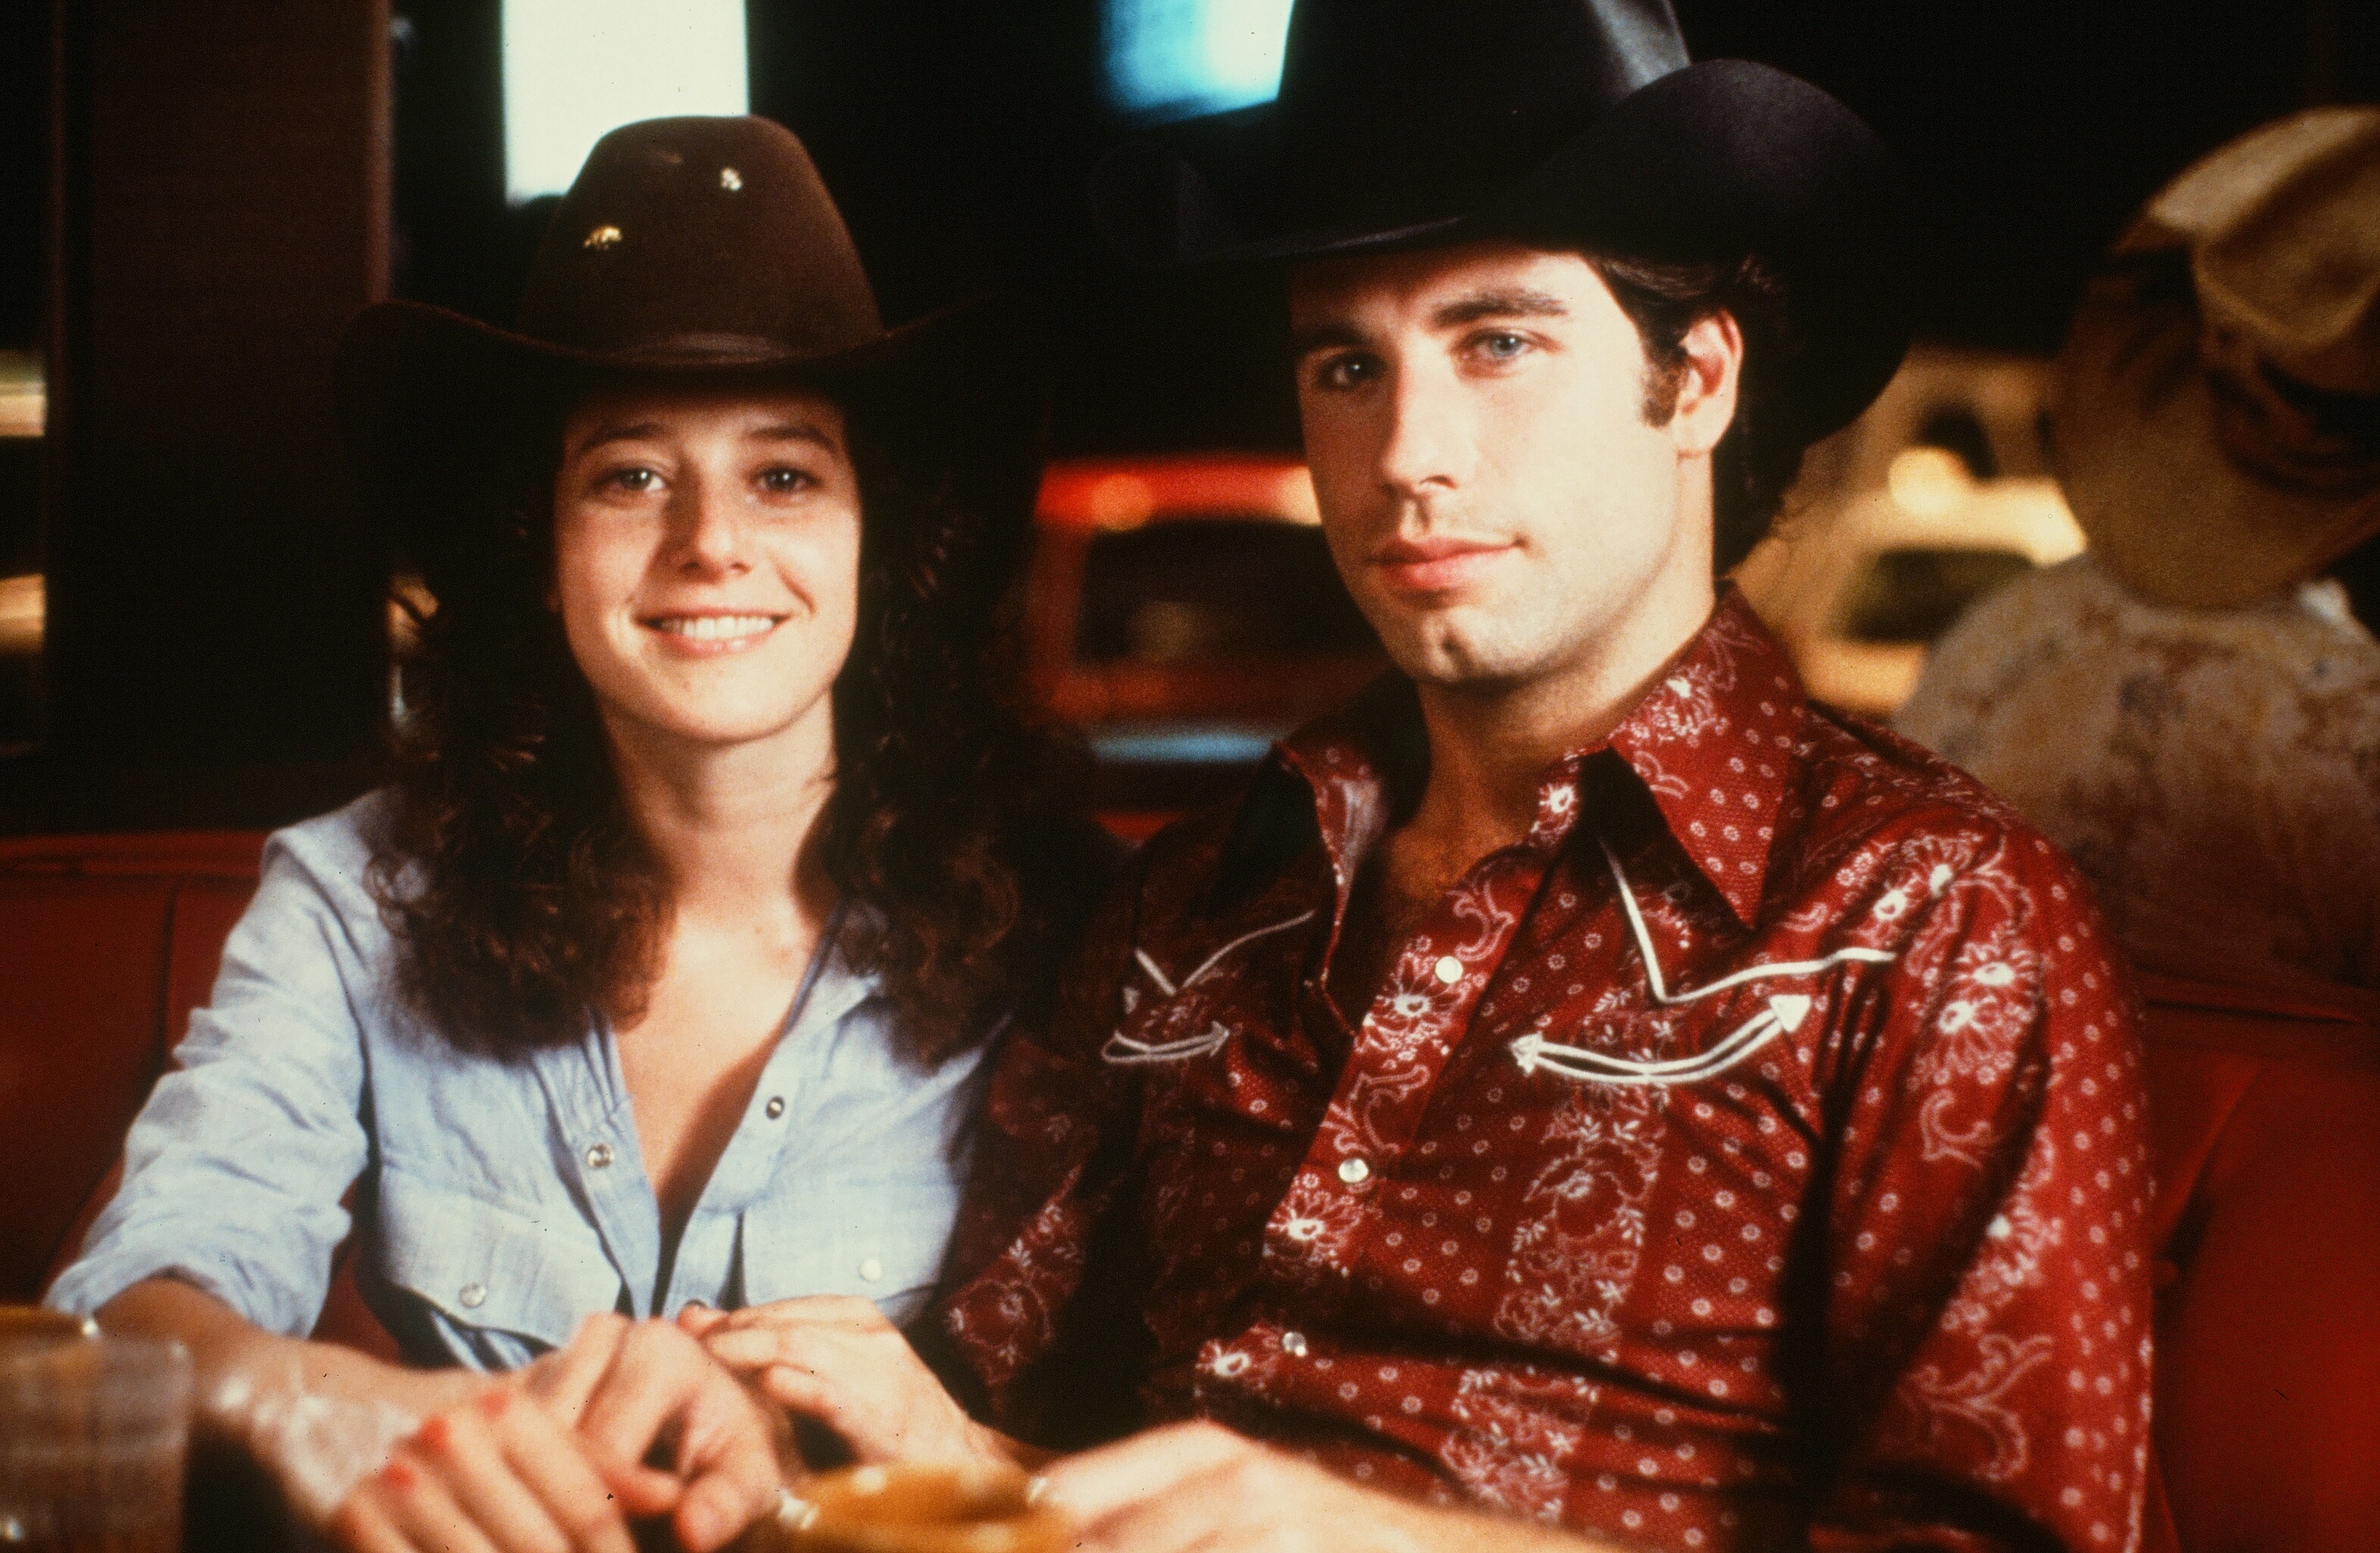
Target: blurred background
[(194, 617)]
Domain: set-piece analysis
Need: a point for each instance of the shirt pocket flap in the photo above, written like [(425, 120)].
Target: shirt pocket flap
[(496, 1267), (881, 1241)]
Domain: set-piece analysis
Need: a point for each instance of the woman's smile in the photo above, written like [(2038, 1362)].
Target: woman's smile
[(705, 634)]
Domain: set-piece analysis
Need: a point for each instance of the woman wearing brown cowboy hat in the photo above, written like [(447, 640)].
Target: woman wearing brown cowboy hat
[(657, 981)]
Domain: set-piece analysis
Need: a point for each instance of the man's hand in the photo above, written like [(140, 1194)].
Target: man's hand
[(838, 1360), (1195, 1485), (551, 1460)]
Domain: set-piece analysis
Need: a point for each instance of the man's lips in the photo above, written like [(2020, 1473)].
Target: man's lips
[(1436, 563), (705, 632)]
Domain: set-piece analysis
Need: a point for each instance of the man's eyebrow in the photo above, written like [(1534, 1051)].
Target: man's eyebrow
[(1329, 334), (1482, 305)]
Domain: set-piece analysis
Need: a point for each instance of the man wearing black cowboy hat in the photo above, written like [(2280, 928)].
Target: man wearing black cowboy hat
[(1583, 1080)]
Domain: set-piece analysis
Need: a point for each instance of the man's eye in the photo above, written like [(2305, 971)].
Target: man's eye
[(785, 479), (635, 480), (1346, 371), (1501, 345)]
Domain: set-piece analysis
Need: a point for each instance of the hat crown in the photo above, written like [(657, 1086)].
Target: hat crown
[(1406, 109), (688, 238)]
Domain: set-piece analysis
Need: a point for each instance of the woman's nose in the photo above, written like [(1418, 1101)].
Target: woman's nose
[(713, 534)]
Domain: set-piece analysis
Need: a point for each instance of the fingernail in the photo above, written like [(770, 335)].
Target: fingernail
[(434, 1434), (494, 1401)]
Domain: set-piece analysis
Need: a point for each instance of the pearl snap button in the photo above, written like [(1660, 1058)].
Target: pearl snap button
[(1356, 1171), (600, 1157), (872, 1270), (472, 1295), (1449, 969), (776, 1106), (1294, 1344)]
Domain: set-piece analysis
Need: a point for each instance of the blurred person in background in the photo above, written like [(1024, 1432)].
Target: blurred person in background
[(1581, 1093), (2191, 708), (660, 975)]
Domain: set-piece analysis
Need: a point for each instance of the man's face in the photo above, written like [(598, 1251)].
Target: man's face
[(1491, 489)]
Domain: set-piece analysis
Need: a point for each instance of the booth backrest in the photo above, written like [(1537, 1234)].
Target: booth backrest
[(2265, 1111), (106, 943)]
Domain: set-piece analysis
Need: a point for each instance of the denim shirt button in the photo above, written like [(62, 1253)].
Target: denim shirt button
[(776, 1106), (598, 1157), (872, 1270), (472, 1295)]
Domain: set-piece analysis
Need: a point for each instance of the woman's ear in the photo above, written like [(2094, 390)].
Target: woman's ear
[(1707, 382)]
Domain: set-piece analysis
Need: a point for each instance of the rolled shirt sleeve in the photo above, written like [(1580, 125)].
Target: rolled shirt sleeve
[(235, 1169)]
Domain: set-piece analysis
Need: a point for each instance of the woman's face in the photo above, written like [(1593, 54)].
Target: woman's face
[(707, 560)]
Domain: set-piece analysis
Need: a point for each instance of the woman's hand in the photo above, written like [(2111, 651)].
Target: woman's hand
[(551, 1460), (837, 1360)]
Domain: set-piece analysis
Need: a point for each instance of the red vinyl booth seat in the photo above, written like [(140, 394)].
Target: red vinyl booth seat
[(2266, 1118), (106, 944)]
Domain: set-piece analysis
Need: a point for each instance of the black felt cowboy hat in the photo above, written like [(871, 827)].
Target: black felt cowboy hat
[(694, 250), (1407, 123)]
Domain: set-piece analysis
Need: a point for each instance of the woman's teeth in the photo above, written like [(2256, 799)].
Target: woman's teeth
[(715, 628)]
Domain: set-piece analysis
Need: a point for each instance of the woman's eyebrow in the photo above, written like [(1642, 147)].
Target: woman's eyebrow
[(607, 434), (797, 431)]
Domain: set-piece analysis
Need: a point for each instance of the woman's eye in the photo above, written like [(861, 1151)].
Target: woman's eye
[(636, 480), (784, 480)]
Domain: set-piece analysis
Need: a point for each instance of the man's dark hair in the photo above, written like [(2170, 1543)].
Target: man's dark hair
[(1757, 458)]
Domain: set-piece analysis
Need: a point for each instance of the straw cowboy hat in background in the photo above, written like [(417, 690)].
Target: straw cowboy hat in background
[(1407, 123), (2217, 424), (692, 249)]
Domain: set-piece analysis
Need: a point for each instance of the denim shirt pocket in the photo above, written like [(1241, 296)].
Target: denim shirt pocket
[(880, 1241), (506, 1268)]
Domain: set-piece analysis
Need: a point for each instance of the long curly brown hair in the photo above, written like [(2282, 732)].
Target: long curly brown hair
[(521, 896)]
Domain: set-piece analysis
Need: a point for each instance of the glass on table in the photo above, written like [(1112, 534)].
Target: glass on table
[(93, 1434)]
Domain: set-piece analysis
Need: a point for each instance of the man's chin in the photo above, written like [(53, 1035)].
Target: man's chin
[(1451, 659)]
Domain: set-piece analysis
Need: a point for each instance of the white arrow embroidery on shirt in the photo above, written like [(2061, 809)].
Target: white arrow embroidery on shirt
[(1123, 1051), (1783, 1017)]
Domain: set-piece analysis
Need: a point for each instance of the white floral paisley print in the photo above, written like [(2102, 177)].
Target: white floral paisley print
[(1878, 1279)]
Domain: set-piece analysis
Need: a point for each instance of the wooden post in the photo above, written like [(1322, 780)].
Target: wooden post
[(214, 593)]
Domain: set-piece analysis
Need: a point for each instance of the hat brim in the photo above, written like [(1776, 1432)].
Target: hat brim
[(428, 401), (1721, 159), (2142, 460)]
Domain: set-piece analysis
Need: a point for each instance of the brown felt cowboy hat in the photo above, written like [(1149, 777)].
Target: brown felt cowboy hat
[(2217, 424), (1405, 123), (696, 250)]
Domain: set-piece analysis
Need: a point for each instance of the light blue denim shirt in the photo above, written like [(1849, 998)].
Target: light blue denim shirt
[(499, 1201)]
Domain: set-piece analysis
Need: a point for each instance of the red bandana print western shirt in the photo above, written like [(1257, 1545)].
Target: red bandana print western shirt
[(1754, 1157)]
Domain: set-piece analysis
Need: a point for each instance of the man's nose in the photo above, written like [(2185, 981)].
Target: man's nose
[(711, 534), (1427, 441)]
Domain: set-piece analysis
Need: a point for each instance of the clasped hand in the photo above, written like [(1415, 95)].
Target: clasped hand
[(554, 1458)]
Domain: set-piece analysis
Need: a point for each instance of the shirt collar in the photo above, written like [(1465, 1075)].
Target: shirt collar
[(1716, 742)]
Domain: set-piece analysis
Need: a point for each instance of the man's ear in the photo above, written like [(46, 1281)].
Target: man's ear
[(1707, 383)]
